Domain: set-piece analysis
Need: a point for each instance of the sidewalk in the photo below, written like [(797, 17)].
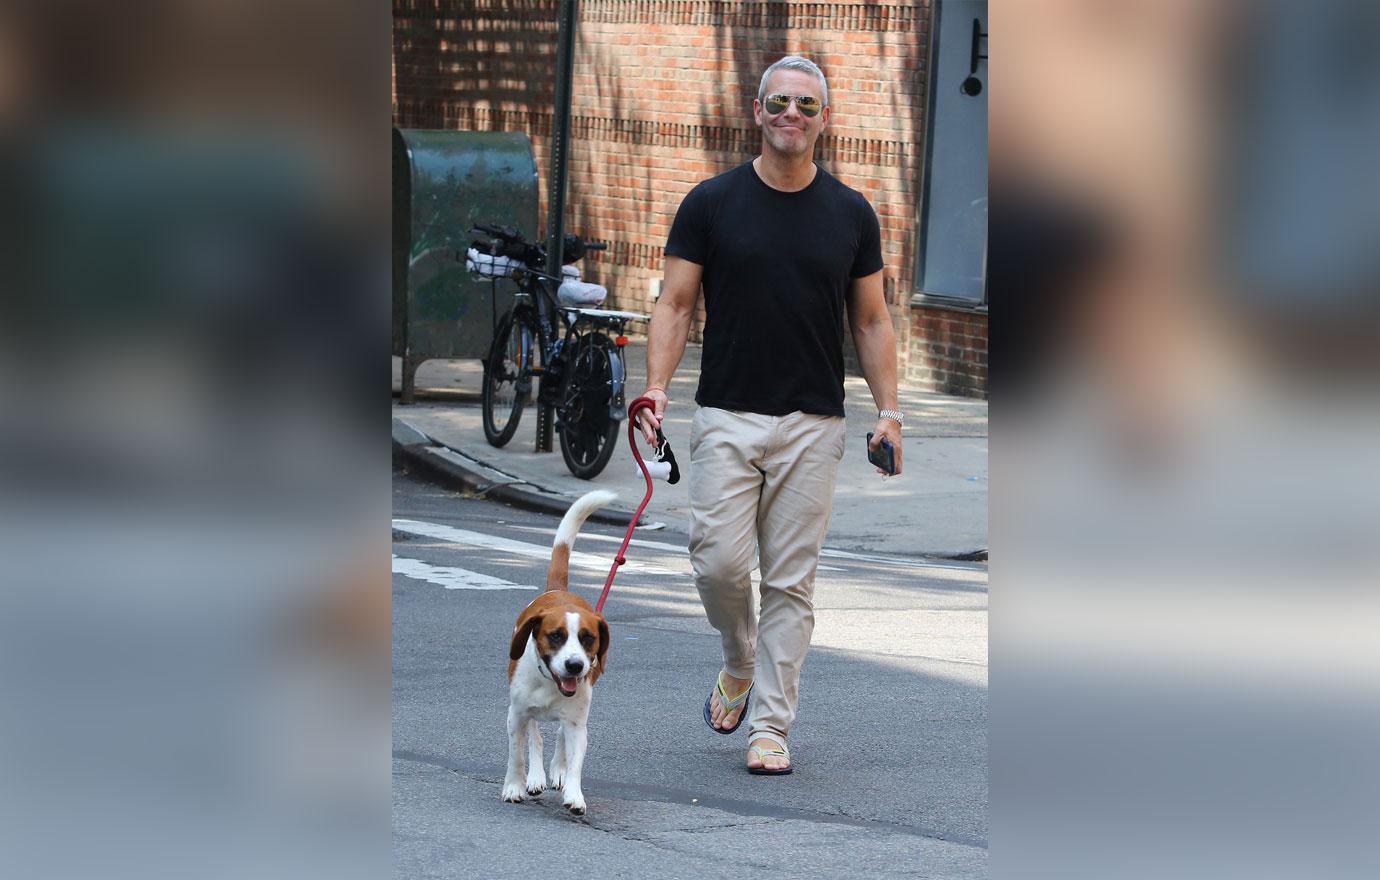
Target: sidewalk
[(936, 507)]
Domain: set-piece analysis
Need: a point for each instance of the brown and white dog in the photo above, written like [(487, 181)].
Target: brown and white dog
[(558, 652)]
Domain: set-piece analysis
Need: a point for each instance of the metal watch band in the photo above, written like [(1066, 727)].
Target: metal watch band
[(896, 415)]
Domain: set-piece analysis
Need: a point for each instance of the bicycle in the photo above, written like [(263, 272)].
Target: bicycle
[(553, 321)]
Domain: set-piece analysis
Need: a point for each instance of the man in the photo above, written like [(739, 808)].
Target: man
[(781, 248)]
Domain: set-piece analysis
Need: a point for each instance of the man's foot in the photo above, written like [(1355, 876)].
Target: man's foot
[(722, 718), (768, 757)]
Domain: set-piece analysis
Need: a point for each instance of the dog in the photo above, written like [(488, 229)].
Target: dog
[(559, 650)]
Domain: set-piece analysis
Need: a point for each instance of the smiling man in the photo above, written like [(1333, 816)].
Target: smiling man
[(782, 249)]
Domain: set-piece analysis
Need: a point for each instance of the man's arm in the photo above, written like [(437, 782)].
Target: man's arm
[(876, 343), (666, 336)]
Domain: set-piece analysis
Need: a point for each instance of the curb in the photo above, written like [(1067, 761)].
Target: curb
[(429, 459), (974, 556), (435, 461)]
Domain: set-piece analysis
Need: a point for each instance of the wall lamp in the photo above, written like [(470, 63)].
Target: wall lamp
[(972, 86)]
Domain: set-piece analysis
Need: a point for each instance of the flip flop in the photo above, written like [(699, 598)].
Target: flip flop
[(762, 754), (729, 706)]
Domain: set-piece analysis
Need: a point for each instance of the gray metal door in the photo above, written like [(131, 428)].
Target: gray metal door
[(953, 222)]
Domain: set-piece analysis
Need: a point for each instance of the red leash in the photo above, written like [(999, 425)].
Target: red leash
[(637, 406)]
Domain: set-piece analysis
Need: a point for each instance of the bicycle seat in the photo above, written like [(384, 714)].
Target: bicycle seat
[(576, 294)]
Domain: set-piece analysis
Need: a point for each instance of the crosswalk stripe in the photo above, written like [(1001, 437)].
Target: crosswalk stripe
[(897, 560), (520, 548), (452, 578), (679, 550), (826, 553)]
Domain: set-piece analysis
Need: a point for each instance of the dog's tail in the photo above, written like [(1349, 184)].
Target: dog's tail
[(558, 575)]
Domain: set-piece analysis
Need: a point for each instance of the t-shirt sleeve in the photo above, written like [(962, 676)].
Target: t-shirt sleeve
[(869, 257), (689, 239)]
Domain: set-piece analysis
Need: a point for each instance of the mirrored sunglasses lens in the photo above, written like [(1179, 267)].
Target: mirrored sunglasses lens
[(775, 104), (808, 106)]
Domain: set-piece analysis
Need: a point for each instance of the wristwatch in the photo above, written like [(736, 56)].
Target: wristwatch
[(895, 415)]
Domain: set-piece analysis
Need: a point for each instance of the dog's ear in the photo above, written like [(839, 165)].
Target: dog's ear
[(521, 634), (597, 667), (603, 643)]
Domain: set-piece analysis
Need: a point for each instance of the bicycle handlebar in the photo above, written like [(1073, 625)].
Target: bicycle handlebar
[(505, 232), (574, 247)]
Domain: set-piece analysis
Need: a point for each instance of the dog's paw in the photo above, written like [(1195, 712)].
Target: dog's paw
[(536, 786), (576, 805), (512, 793), (557, 778)]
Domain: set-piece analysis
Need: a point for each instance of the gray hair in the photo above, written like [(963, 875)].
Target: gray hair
[(796, 62)]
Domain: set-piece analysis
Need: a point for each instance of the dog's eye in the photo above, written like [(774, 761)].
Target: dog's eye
[(587, 638), (557, 636)]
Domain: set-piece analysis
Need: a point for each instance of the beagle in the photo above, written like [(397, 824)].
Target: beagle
[(558, 652)]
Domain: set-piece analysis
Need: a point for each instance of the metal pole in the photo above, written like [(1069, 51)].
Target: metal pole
[(555, 189)]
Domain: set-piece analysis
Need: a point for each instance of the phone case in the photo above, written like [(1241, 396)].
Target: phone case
[(884, 456)]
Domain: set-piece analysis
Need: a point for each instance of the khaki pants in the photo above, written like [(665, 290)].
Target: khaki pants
[(761, 488)]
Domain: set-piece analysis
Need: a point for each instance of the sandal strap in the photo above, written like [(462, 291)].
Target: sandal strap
[(729, 704), (763, 751)]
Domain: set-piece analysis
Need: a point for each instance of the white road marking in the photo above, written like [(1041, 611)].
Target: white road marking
[(636, 542), (898, 560), (521, 548), (452, 578), (597, 562), (679, 549)]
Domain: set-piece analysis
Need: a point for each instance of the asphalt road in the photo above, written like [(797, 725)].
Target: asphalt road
[(889, 745)]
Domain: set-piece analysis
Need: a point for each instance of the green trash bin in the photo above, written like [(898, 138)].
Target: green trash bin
[(444, 182)]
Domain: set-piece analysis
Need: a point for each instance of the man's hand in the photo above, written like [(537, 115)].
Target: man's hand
[(892, 432), (650, 419)]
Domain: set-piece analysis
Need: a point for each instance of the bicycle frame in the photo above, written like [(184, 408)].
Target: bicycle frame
[(575, 353), (550, 313)]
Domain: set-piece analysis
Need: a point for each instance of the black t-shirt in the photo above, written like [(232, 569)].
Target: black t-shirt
[(777, 266)]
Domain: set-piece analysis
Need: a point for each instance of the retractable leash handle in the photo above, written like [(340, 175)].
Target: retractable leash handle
[(671, 474)]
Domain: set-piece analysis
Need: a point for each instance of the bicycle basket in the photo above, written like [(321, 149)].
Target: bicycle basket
[(488, 265)]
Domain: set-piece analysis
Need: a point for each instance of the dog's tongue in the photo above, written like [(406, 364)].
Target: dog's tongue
[(567, 685)]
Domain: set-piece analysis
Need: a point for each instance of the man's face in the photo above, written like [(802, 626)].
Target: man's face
[(791, 132)]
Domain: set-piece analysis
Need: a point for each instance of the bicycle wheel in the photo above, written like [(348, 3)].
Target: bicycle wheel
[(589, 430), (507, 377)]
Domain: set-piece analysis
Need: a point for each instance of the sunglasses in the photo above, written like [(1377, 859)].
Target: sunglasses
[(778, 103)]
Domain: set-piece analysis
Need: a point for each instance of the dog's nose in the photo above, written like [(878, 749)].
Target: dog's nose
[(574, 667)]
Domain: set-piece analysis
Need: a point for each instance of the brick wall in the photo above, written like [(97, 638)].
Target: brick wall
[(662, 99), (953, 355)]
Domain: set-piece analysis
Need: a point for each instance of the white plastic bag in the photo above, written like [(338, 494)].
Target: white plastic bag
[(488, 265), (581, 294)]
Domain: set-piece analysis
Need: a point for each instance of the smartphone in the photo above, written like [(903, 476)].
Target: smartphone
[(884, 456)]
